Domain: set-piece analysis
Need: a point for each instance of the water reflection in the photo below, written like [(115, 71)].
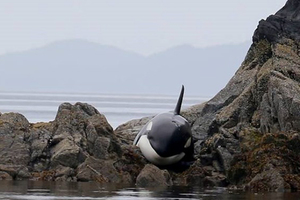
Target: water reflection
[(29, 190)]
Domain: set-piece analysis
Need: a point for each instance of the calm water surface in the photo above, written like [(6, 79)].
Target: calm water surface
[(31, 190), (118, 108)]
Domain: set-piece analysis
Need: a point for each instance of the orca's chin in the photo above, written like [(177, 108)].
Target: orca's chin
[(153, 157)]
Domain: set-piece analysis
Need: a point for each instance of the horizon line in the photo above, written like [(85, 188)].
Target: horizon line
[(123, 49)]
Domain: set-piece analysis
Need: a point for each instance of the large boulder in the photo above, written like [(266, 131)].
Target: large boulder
[(152, 176), (82, 126), (14, 150), (263, 97)]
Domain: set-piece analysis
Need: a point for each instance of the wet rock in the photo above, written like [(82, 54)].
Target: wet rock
[(17, 172), (270, 163), (192, 176), (5, 176), (270, 180), (46, 175), (102, 171), (63, 173), (152, 176), (215, 180)]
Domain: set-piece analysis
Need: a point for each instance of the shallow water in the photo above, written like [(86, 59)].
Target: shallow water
[(36, 190)]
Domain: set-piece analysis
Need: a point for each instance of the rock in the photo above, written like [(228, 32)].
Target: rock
[(66, 153), (264, 93), (77, 145), (285, 23), (102, 171), (14, 151), (270, 163), (262, 97), (65, 174), (225, 158), (127, 131), (192, 176), (215, 180), (5, 176), (87, 129), (17, 172), (132, 163), (152, 176), (23, 173), (13, 148), (39, 139), (270, 180)]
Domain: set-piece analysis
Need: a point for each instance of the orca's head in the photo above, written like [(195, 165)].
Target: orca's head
[(169, 134)]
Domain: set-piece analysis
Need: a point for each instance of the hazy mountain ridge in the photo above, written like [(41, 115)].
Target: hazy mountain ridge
[(81, 66)]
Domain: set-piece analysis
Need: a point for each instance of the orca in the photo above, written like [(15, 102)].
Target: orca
[(167, 138)]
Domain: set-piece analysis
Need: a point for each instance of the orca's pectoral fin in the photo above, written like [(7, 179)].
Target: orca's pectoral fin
[(179, 102), (136, 139), (143, 131)]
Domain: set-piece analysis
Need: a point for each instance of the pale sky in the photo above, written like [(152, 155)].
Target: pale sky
[(142, 26)]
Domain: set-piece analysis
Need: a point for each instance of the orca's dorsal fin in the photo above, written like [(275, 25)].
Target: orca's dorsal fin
[(179, 102)]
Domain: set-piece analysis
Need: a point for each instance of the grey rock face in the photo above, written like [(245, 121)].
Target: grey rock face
[(75, 146), (127, 132), (285, 23), (262, 97), (102, 171), (152, 176), (264, 93), (80, 130), (14, 151)]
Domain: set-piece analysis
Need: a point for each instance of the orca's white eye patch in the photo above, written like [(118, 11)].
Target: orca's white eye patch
[(149, 126), (188, 143)]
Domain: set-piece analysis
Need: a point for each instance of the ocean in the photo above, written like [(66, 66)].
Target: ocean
[(118, 108), (35, 190)]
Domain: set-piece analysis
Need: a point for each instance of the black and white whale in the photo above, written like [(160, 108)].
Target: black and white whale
[(167, 138)]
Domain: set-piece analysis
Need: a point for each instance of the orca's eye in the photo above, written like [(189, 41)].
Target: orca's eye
[(188, 143)]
